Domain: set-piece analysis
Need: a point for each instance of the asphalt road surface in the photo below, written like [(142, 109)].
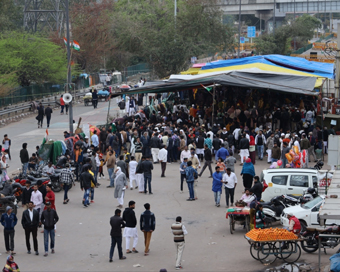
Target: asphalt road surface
[(82, 240)]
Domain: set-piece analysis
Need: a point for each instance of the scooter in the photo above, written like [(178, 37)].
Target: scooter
[(273, 209), (308, 195)]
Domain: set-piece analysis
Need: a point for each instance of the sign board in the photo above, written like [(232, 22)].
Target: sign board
[(242, 40), (251, 32)]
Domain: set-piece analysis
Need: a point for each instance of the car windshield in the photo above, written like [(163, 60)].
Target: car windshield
[(312, 203)]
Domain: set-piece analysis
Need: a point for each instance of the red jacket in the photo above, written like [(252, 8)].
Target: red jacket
[(297, 225)]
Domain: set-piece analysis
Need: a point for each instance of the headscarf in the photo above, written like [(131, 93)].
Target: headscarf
[(252, 140), (8, 257), (119, 172)]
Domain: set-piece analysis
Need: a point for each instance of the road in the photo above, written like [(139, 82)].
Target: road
[(82, 237)]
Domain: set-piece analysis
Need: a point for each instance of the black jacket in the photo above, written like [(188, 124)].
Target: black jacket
[(48, 112), (207, 154), (200, 142), (257, 189), (147, 167), (24, 157), (85, 180), (244, 143), (216, 143), (130, 218), (117, 223), (26, 195), (42, 190), (26, 220), (49, 218), (155, 142), (147, 221)]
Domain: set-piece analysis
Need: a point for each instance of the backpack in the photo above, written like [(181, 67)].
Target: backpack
[(177, 142)]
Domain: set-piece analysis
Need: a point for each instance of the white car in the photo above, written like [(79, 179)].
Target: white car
[(306, 213)]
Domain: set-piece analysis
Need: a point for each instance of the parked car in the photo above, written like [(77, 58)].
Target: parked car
[(307, 213), (284, 181)]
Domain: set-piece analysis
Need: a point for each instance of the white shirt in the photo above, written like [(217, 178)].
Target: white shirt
[(163, 155), (232, 180), (37, 199), (236, 133), (47, 169), (211, 135), (31, 214), (133, 167), (97, 160), (185, 154), (296, 142)]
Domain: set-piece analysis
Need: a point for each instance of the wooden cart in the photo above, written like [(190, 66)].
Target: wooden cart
[(238, 217)]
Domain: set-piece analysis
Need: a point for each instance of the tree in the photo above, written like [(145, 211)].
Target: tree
[(148, 29), (11, 16), (28, 58)]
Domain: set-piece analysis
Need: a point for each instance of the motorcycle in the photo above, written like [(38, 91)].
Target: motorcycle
[(319, 164), (310, 242), (308, 195), (55, 182), (273, 209)]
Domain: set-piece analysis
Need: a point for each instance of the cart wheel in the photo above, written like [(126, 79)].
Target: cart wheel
[(293, 252), (267, 254), (247, 222), (231, 224), (254, 248), (278, 249)]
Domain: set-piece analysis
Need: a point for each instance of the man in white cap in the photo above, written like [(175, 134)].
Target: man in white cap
[(294, 223), (270, 145)]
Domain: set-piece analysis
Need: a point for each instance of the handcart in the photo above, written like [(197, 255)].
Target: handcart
[(268, 251), (239, 216), (87, 99)]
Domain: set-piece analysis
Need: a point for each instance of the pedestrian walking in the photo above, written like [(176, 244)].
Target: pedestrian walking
[(217, 186), (62, 104), (155, 144), (40, 116), (230, 162), (190, 173), (9, 220), (147, 170), (10, 265), (130, 230), (147, 226), (48, 114), (247, 173), (94, 99), (24, 157), (260, 142), (121, 185), (30, 223), (132, 172), (85, 184), (111, 161), (230, 182), (66, 179), (140, 175), (117, 223), (162, 157), (208, 160), (179, 231), (50, 197), (183, 176), (6, 144), (49, 218), (37, 198)]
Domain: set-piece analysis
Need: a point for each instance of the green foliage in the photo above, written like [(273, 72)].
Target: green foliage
[(11, 15), (29, 58), (148, 29)]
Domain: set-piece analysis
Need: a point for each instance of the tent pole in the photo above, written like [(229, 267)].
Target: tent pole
[(213, 106)]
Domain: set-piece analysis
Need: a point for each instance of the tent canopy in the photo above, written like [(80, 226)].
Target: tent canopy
[(272, 81)]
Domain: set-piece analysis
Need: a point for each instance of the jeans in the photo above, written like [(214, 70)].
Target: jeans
[(112, 181), (48, 119), (66, 188), (66, 108), (9, 239), (274, 160), (183, 176), (175, 153), (260, 151), (116, 240), (163, 166), (191, 189), (147, 183), (103, 147), (24, 168), (86, 196), (34, 231), (94, 103), (229, 192), (92, 194), (284, 162), (52, 234), (62, 108), (31, 166), (217, 196)]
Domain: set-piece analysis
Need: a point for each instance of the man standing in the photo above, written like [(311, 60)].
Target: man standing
[(182, 167), (276, 153), (244, 148), (48, 113), (190, 177), (9, 220), (62, 104), (132, 172), (102, 137), (50, 196), (24, 157), (155, 144), (49, 218), (140, 175), (37, 198), (208, 160), (111, 161), (121, 106), (185, 153), (305, 145), (130, 230), (26, 194), (147, 170), (311, 148), (30, 223), (260, 141), (147, 225), (6, 144), (95, 140), (270, 145), (230, 182), (257, 188), (162, 157), (117, 223), (179, 231)]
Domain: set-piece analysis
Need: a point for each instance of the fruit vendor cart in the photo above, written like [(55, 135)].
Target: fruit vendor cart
[(238, 216), (267, 245)]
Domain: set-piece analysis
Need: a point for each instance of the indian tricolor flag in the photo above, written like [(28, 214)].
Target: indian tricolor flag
[(45, 140), (65, 41), (76, 45)]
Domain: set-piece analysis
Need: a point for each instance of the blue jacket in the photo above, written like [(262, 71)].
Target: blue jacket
[(9, 221), (183, 166), (248, 168), (189, 172), (222, 153), (217, 184)]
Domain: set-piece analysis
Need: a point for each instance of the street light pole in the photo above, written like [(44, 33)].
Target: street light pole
[(69, 65), (239, 30)]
